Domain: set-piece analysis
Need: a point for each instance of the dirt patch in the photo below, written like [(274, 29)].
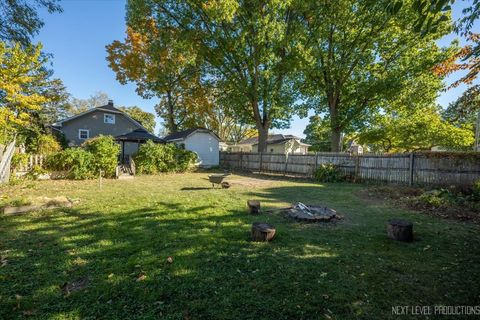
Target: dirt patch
[(249, 182), (411, 198), (24, 206)]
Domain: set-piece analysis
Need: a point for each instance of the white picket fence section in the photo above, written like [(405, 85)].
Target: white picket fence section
[(33, 160), (409, 168)]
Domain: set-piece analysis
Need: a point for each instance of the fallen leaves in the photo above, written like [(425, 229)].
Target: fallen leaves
[(141, 277)]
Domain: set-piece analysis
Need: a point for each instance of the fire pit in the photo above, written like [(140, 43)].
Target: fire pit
[(311, 213)]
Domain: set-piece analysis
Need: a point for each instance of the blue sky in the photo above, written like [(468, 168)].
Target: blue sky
[(77, 38)]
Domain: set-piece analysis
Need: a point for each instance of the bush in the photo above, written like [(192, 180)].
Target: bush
[(19, 160), (328, 172), (78, 163), (154, 158), (100, 153), (476, 190), (105, 154), (45, 144), (35, 172), (435, 198)]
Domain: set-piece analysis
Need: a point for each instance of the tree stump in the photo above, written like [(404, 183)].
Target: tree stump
[(254, 206), (400, 230), (262, 231)]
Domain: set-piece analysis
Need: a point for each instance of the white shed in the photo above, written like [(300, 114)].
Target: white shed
[(204, 142)]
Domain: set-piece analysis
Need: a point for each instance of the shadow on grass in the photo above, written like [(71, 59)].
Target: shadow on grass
[(195, 188), (214, 263), (217, 272)]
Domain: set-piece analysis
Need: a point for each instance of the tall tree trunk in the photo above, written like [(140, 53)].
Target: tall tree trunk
[(172, 125), (262, 138), (262, 125), (335, 128), (336, 140)]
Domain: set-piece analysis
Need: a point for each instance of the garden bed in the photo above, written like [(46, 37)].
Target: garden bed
[(444, 203)]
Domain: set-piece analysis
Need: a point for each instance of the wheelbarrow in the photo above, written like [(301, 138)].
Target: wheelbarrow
[(218, 179)]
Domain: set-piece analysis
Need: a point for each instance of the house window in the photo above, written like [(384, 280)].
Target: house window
[(83, 134), (109, 118)]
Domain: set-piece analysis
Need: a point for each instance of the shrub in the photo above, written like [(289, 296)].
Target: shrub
[(78, 163), (35, 172), (105, 154), (45, 144), (154, 158), (476, 190), (328, 172), (19, 160)]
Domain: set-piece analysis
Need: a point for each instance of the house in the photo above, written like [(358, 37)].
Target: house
[(105, 120), (354, 148), (203, 142), (276, 143)]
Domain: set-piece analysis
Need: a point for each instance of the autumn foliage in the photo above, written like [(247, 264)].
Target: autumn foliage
[(464, 59)]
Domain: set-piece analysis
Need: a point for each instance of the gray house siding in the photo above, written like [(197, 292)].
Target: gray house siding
[(94, 123)]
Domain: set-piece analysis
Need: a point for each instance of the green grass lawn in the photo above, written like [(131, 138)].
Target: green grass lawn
[(110, 251)]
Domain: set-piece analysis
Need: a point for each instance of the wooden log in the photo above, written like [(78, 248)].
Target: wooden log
[(400, 230), (262, 231), (254, 206)]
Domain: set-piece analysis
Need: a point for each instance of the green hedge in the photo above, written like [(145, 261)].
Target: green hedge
[(155, 158), (76, 161), (100, 153), (105, 154)]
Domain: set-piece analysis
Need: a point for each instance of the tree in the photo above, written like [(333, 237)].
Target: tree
[(414, 130), (58, 106), (248, 48), (19, 20), (465, 109), (431, 13), (317, 134), (160, 64), (216, 114), (146, 119), (25, 88), (364, 58), (77, 105)]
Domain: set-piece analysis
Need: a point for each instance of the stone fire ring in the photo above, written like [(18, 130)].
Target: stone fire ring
[(320, 214)]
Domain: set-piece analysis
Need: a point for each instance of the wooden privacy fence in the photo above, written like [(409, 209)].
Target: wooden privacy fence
[(435, 168)]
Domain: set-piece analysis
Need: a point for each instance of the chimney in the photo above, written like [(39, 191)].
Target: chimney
[(110, 103)]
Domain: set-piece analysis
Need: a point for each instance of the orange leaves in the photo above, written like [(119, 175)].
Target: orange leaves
[(462, 60)]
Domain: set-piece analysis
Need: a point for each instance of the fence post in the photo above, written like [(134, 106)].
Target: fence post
[(241, 161), (260, 166), (285, 166), (412, 162), (357, 167)]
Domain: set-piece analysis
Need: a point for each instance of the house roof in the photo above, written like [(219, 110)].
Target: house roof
[(139, 135), (182, 135), (272, 139), (106, 108)]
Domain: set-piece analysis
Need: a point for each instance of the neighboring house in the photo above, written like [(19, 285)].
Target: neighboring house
[(104, 120), (203, 142), (355, 148), (276, 143)]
